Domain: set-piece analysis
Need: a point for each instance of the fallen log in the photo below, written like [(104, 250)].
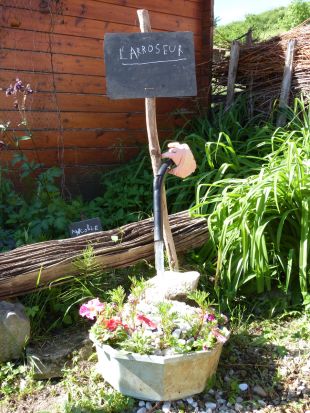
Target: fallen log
[(36, 266)]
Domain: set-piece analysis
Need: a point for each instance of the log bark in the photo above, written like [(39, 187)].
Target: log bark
[(36, 266)]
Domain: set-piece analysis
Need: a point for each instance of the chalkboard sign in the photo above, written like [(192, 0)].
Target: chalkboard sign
[(141, 65), (85, 227)]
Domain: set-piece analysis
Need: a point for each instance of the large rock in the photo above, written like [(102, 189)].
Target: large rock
[(14, 330), (171, 285), (49, 356)]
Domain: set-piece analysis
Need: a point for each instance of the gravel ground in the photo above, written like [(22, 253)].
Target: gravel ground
[(264, 367)]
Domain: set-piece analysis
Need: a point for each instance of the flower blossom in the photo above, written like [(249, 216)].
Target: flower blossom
[(147, 321), (209, 317), (113, 323), (91, 309)]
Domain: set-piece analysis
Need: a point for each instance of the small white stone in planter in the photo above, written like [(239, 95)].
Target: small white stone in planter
[(177, 332)]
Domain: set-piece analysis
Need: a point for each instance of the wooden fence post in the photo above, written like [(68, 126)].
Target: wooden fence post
[(286, 82), (232, 73), (249, 43), (154, 149)]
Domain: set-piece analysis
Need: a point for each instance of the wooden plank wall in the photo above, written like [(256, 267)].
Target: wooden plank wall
[(57, 47)]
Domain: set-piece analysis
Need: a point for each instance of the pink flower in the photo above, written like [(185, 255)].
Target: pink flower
[(147, 321), (209, 317), (219, 336), (91, 309)]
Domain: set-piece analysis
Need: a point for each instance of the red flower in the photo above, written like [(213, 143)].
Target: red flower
[(147, 321), (112, 324)]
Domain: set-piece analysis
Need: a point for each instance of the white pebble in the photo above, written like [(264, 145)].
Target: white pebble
[(210, 405), (141, 410), (148, 405), (189, 400), (238, 407), (239, 399), (166, 407), (177, 333), (209, 410), (141, 403), (243, 386)]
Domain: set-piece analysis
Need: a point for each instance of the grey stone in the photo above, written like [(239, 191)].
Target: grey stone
[(259, 391), (171, 285), (243, 386), (14, 330), (49, 357), (141, 410), (238, 407), (210, 405), (166, 407), (141, 403)]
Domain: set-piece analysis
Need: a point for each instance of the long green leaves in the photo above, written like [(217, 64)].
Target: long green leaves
[(258, 209)]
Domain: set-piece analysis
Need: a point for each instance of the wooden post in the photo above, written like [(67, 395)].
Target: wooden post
[(249, 43), (232, 73), (286, 82), (154, 149)]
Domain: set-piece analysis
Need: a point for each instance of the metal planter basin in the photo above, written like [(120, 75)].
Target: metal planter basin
[(157, 377)]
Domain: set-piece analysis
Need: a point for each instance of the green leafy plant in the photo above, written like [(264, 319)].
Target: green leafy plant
[(148, 328), (88, 393), (259, 222)]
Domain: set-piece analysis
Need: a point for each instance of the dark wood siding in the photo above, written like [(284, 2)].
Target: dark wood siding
[(57, 47)]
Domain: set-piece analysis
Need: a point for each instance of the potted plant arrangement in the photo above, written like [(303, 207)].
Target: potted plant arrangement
[(156, 350)]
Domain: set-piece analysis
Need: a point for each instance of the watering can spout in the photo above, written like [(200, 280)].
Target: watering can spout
[(158, 221)]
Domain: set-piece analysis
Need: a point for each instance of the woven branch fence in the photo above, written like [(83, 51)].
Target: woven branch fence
[(36, 266), (261, 65)]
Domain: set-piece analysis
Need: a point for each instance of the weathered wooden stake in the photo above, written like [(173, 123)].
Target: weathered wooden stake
[(232, 73), (286, 82), (249, 43), (154, 149)]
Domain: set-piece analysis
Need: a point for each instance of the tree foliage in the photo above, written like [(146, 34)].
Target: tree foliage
[(264, 25)]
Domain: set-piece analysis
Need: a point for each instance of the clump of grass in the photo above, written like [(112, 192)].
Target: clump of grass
[(87, 392), (258, 209)]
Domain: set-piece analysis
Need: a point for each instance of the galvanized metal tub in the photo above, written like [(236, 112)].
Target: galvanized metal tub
[(157, 377)]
